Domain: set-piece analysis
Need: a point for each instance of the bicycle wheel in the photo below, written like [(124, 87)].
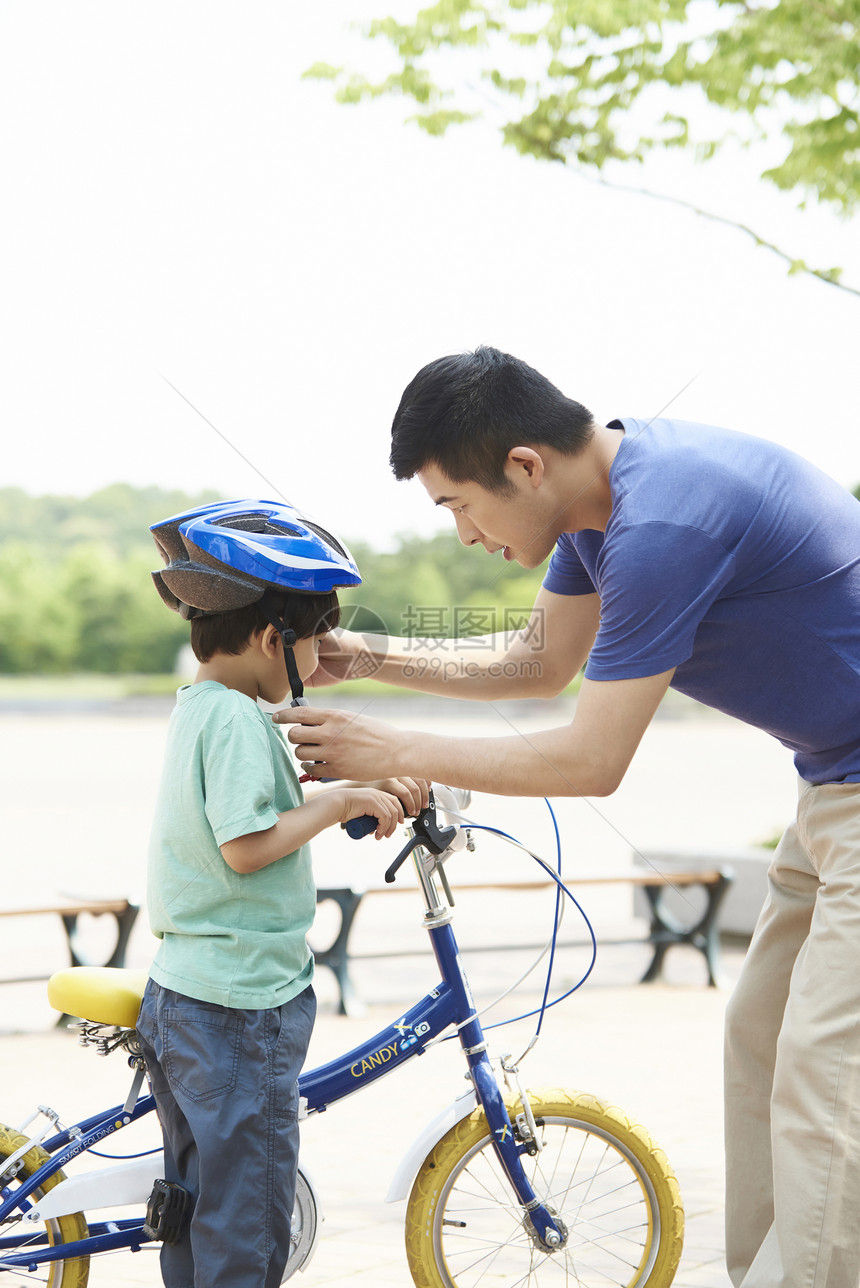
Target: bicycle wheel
[(63, 1229), (601, 1175), (303, 1227)]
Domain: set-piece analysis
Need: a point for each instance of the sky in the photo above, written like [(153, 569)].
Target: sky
[(214, 276)]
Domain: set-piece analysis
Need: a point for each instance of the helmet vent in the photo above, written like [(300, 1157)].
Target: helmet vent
[(327, 538), (259, 523)]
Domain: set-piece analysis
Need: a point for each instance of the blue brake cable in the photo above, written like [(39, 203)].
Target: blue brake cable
[(561, 889)]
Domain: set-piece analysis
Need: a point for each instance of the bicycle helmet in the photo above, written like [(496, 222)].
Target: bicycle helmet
[(229, 554)]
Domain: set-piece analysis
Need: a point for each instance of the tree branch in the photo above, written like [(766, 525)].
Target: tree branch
[(795, 265)]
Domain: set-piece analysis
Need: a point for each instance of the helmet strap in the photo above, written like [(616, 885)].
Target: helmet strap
[(288, 639)]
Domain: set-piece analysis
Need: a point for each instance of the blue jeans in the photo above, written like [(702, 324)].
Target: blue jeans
[(225, 1084)]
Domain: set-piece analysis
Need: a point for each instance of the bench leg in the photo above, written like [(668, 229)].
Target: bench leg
[(655, 968), (666, 930), (336, 956), (124, 925)]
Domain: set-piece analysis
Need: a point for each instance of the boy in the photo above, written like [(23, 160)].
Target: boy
[(228, 1012)]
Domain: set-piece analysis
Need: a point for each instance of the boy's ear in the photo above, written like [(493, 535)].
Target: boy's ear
[(270, 641)]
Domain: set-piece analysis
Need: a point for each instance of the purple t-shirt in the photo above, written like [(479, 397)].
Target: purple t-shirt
[(737, 563)]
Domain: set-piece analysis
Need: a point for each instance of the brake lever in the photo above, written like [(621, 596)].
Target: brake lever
[(394, 867), (426, 832)]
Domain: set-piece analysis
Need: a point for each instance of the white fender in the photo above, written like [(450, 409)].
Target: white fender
[(301, 1246), (425, 1141), (114, 1186)]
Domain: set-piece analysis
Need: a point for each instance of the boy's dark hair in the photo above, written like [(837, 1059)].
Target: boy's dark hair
[(231, 632), (464, 413)]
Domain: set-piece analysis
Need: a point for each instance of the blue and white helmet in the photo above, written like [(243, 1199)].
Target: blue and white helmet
[(226, 555)]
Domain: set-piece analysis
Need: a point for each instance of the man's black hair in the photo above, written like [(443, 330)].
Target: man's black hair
[(464, 413), (231, 632)]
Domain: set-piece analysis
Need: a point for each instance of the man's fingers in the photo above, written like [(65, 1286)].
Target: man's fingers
[(301, 716), (307, 737), (303, 738)]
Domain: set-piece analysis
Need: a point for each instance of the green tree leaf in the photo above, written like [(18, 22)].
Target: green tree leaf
[(579, 82)]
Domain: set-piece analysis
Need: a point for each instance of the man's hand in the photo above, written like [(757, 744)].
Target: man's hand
[(338, 744), (345, 655)]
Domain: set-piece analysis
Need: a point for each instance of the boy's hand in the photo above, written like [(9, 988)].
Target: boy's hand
[(413, 793), (384, 807)]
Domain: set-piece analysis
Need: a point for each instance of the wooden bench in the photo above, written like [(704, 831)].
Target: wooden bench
[(665, 930), (69, 909)]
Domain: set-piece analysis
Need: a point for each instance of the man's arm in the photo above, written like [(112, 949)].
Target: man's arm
[(588, 757), (537, 661)]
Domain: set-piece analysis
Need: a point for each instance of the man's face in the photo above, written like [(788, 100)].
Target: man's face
[(513, 523)]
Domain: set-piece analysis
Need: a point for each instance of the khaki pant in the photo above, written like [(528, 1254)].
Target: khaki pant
[(793, 1062)]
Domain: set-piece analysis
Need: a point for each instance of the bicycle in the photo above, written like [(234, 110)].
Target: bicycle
[(503, 1187)]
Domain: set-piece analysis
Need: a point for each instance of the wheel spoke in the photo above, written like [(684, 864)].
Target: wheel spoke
[(483, 1253), (603, 1180)]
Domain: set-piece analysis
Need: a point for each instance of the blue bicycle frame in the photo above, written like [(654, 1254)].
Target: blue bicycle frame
[(448, 1004)]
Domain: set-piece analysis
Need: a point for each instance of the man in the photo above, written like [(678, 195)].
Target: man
[(726, 567)]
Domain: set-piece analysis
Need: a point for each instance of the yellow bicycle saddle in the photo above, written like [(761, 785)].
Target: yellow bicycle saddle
[(101, 994)]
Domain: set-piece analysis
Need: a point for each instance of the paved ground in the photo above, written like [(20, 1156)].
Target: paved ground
[(653, 1050)]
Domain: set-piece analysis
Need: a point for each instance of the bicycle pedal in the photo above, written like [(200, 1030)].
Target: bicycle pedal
[(166, 1212)]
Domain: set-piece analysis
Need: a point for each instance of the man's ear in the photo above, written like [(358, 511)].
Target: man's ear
[(526, 462)]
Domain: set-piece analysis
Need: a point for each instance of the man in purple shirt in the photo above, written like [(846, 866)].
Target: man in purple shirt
[(728, 568)]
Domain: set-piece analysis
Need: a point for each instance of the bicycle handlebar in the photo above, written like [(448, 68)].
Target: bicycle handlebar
[(426, 831), (363, 826)]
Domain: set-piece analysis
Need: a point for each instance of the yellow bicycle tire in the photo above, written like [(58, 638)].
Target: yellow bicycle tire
[(58, 1230), (464, 1227)]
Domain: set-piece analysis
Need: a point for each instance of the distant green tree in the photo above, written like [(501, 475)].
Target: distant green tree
[(116, 517), (125, 626), (152, 635), (75, 586), (585, 82), (39, 630)]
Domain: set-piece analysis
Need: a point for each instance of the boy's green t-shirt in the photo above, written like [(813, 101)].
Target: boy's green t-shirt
[(235, 939)]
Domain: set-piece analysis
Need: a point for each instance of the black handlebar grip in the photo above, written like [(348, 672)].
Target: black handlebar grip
[(363, 826)]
